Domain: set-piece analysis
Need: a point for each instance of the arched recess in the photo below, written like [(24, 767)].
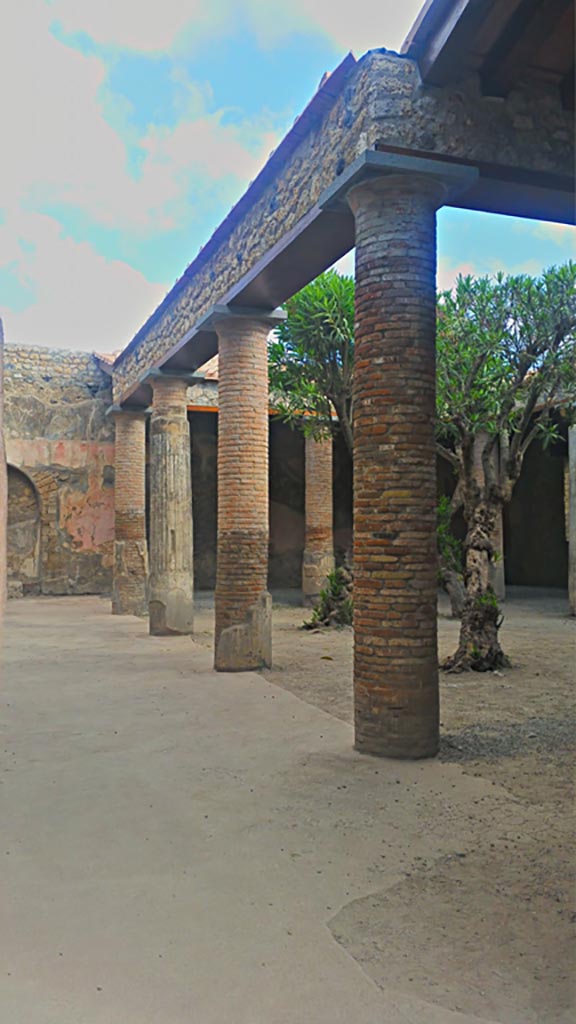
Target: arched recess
[(23, 541)]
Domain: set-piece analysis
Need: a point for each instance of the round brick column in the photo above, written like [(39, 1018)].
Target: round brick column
[(318, 558), (395, 560), (171, 603), (243, 607), (130, 585)]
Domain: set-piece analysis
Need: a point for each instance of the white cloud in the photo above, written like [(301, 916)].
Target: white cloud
[(560, 233), (131, 24), (358, 26), (57, 147), (82, 300)]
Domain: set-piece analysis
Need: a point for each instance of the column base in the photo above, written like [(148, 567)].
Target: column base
[(130, 586), (316, 566), (247, 646), (171, 615), (394, 729)]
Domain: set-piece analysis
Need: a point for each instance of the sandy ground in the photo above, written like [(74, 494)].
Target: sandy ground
[(507, 907), (186, 847)]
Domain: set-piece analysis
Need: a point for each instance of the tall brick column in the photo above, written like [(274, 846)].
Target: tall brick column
[(130, 585), (395, 572), (318, 558), (243, 606), (171, 602)]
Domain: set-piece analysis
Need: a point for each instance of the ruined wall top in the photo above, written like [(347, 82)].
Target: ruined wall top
[(55, 394), (379, 101)]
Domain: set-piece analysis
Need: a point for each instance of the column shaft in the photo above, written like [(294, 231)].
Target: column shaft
[(572, 519), (395, 562), (171, 602), (318, 558), (130, 586), (243, 606), (3, 485)]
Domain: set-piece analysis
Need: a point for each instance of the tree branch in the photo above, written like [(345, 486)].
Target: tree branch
[(448, 455)]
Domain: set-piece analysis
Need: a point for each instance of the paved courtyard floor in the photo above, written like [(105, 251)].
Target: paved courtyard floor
[(185, 847)]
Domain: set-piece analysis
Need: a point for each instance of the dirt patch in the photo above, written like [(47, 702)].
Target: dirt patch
[(502, 917), (489, 931)]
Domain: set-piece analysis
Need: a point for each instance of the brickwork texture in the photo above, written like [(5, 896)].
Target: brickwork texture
[(395, 579), (242, 636)]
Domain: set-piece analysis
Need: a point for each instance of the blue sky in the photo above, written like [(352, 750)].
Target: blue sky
[(134, 127)]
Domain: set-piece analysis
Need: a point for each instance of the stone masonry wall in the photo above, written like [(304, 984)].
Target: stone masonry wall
[(58, 436), (383, 103)]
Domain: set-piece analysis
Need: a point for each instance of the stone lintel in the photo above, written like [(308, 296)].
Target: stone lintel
[(456, 178), (158, 373), (128, 410), (218, 313)]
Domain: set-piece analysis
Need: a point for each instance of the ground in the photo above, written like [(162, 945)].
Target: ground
[(193, 848)]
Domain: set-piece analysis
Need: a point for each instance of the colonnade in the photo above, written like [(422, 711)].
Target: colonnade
[(395, 660), (154, 577), (395, 575)]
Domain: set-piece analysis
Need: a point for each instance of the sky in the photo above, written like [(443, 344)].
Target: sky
[(130, 128)]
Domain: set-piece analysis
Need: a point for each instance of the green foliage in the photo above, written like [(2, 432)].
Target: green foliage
[(449, 547), (311, 356), (487, 600), (334, 605), (506, 351)]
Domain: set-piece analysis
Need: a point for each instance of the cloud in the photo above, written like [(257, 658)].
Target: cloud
[(62, 152), (131, 24), (560, 234), (80, 300)]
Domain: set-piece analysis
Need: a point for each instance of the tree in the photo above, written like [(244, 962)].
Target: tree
[(311, 359), (506, 363)]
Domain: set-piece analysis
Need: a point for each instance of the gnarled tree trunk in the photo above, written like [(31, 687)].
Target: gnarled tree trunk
[(452, 582), (479, 648)]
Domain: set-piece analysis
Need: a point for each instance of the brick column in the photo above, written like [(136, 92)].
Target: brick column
[(171, 603), (318, 558), (572, 519), (130, 585), (243, 606), (395, 562)]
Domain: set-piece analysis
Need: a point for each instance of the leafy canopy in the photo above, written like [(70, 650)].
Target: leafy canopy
[(311, 356), (506, 350)]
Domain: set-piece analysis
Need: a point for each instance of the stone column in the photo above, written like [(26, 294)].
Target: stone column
[(572, 519), (130, 586), (395, 562), (318, 558), (3, 485), (171, 601), (243, 638)]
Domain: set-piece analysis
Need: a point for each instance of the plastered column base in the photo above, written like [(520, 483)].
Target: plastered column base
[(316, 567), (172, 611), (248, 646), (130, 587)]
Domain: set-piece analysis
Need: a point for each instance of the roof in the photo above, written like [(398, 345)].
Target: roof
[(506, 42)]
